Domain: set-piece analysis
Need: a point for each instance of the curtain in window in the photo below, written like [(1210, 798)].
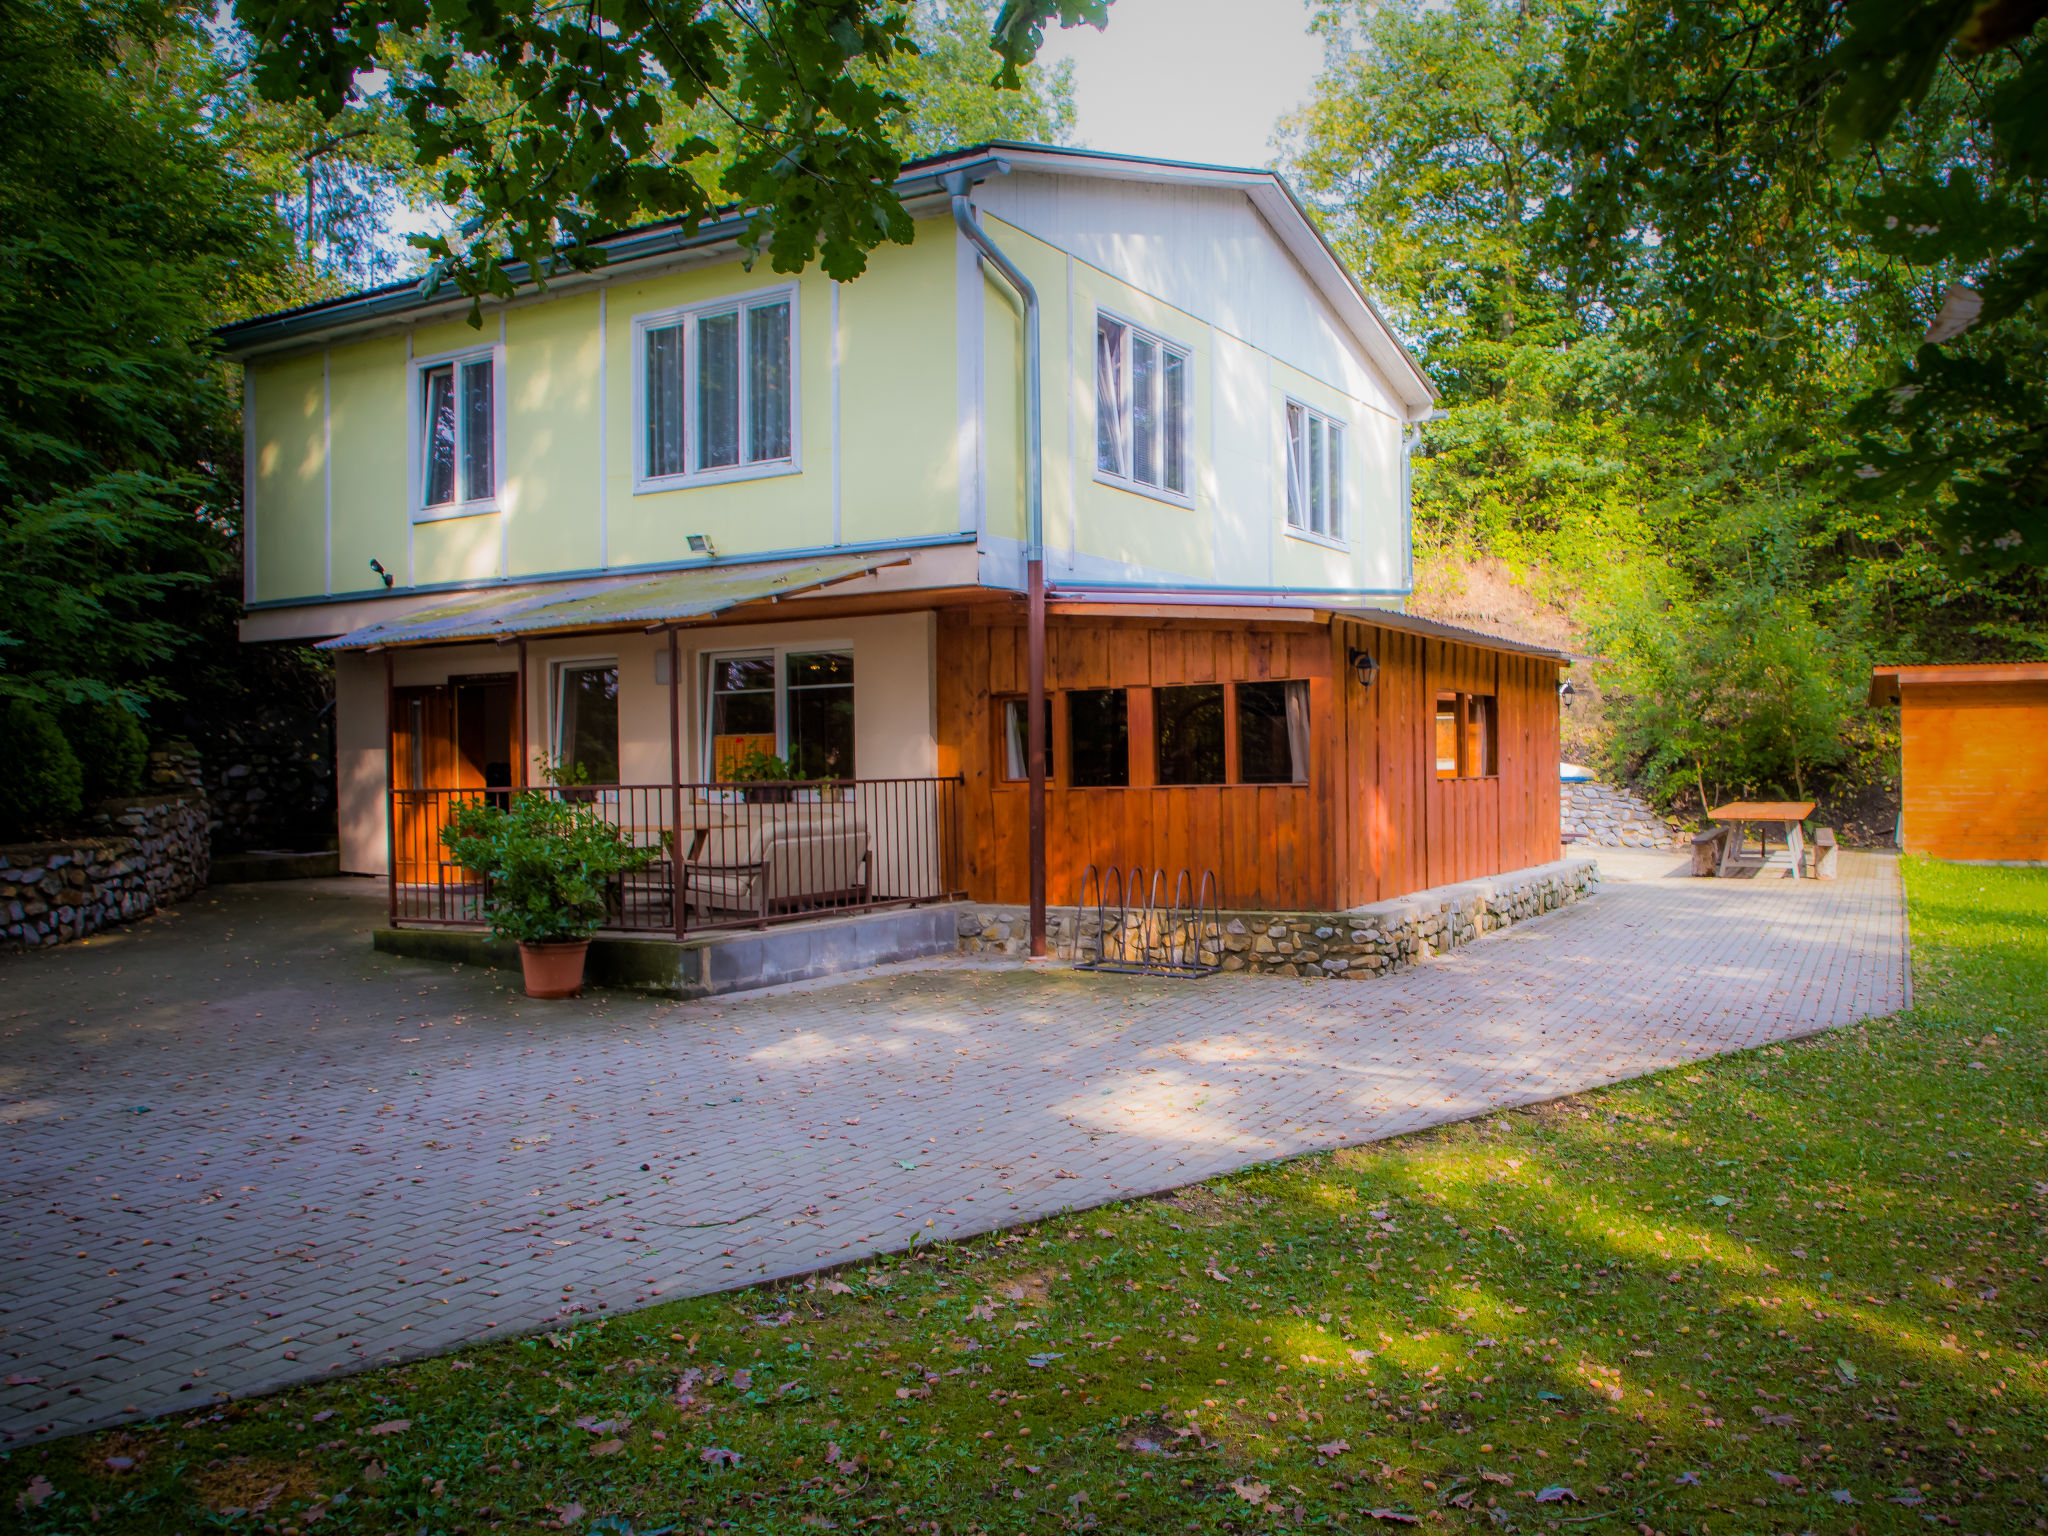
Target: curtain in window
[(1297, 729), (1335, 527), (1297, 469), (1176, 413), (768, 382), (478, 483), (1016, 746), (665, 401), (437, 459), (1109, 397), (718, 391)]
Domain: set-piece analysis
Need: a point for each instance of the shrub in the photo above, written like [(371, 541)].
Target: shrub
[(111, 748), (549, 857), (41, 783)]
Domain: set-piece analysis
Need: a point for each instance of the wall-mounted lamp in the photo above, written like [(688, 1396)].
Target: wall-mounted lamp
[(1566, 693), (700, 544), (1368, 669), (378, 567)]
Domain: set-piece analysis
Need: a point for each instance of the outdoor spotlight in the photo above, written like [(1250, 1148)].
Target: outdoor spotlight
[(700, 544), (1368, 669), (378, 567), (1566, 693)]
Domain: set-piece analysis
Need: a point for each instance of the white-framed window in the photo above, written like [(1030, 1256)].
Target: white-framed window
[(793, 702), (1144, 409), (715, 394), (1315, 472), (458, 433), (586, 706)]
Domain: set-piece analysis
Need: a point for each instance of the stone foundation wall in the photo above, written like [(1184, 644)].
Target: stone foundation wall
[(1374, 940), (142, 852), (1610, 817)]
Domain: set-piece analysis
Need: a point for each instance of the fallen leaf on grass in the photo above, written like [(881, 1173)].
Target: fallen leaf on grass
[(1557, 1493), (120, 1463), (838, 1288), (742, 1381), (390, 1427), (1843, 1496), (39, 1488), (718, 1456), (569, 1514), (607, 1447), (1040, 1362), (1395, 1515), (1505, 1479), (1775, 1420), (1334, 1448), (1249, 1491), (604, 1426), (1782, 1479)]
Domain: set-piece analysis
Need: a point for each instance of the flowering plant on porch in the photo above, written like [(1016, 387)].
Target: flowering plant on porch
[(547, 858)]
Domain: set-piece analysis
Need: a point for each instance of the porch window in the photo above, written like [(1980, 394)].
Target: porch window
[(796, 705), (1272, 733), (1098, 739), (1467, 744), (1315, 472), (1188, 724), (1142, 395), (1016, 718), (457, 436), (587, 721), (716, 388)]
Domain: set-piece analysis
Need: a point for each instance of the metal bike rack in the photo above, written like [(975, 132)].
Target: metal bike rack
[(1140, 933)]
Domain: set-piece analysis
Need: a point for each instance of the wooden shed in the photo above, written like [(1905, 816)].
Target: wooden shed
[(1974, 759)]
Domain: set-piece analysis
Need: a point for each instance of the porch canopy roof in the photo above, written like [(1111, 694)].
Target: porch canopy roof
[(607, 602)]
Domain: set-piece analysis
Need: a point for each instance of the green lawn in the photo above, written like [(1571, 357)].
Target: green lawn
[(1794, 1290)]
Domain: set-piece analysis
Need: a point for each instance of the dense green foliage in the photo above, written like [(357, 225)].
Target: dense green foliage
[(1647, 285), (549, 857), (1714, 1298), (41, 783), (554, 127)]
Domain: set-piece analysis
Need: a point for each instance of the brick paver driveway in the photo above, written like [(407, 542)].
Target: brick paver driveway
[(241, 1150)]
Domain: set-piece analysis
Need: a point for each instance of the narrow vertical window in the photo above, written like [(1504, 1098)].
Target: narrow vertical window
[(718, 391), (819, 689), (1297, 467), (587, 722), (1109, 396), (1335, 495), (1144, 410), (1317, 520), (742, 712), (478, 483), (1017, 741), (1175, 412), (437, 460), (768, 382), (1098, 739), (665, 401)]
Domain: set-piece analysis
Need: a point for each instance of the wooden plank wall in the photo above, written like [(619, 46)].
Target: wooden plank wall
[(1373, 821), (1975, 781)]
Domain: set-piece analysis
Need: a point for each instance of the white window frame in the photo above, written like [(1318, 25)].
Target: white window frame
[(1126, 480), (416, 428), (1337, 509), (558, 676), (688, 314), (781, 651)]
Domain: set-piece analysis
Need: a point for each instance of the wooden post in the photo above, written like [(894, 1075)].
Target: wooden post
[(677, 906), (519, 717), (1034, 735)]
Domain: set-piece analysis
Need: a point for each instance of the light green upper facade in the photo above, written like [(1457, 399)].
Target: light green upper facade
[(903, 406)]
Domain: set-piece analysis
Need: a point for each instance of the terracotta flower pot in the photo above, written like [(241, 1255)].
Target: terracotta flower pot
[(554, 970)]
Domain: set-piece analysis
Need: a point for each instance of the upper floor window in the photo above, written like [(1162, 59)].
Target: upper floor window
[(1142, 395), (1315, 472), (456, 401), (716, 386)]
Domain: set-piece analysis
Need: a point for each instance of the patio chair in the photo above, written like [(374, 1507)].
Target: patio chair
[(772, 867)]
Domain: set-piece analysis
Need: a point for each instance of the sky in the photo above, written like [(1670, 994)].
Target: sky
[(1203, 80)]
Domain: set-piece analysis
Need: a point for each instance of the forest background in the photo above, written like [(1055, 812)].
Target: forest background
[(1735, 311)]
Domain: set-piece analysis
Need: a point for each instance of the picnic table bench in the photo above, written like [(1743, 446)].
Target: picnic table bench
[(1738, 816)]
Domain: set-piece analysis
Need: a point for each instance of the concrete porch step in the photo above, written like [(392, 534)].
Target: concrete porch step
[(712, 964)]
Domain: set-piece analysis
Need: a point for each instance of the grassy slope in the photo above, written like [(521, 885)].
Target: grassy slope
[(1730, 1298)]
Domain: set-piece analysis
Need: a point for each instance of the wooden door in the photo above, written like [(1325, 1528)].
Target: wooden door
[(423, 761), (486, 728)]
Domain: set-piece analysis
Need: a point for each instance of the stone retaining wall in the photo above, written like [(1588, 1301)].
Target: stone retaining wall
[(1611, 817), (142, 852), (1374, 940)]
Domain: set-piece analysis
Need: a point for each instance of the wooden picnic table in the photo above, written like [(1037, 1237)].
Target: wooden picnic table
[(1740, 814)]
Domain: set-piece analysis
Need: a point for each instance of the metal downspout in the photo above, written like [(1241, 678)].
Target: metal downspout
[(1034, 542)]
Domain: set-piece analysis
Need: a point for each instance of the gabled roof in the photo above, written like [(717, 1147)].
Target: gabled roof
[(1270, 195)]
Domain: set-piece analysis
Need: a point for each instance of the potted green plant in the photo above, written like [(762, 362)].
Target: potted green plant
[(547, 861), (768, 773)]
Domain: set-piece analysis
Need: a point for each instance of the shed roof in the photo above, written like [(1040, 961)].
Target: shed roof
[(1887, 682), (603, 603)]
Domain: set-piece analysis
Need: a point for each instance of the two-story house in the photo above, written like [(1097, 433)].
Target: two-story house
[(671, 520)]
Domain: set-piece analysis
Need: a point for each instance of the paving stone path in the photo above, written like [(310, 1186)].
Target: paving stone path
[(237, 1149)]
